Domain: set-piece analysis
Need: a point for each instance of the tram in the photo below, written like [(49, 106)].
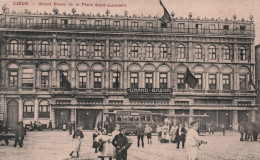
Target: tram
[(130, 119)]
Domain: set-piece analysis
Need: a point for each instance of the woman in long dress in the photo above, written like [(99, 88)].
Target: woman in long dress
[(173, 132), (105, 145)]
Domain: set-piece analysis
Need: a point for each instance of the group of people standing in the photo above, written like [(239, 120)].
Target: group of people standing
[(248, 131)]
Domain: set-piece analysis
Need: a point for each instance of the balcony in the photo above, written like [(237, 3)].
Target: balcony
[(123, 29)]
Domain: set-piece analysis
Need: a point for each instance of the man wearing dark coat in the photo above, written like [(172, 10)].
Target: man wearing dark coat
[(18, 135), (180, 136), (140, 135), (242, 131), (120, 142), (50, 125), (70, 127)]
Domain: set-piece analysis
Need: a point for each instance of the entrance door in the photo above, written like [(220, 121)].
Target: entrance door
[(87, 118), (12, 114), (63, 116)]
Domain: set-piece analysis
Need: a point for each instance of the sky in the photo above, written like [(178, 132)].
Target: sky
[(199, 8)]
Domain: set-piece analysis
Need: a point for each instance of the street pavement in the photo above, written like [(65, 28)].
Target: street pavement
[(57, 144)]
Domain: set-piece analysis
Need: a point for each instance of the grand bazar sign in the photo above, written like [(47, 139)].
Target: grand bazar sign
[(149, 90)]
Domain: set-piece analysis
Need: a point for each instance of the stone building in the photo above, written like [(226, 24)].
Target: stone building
[(257, 77), (78, 67)]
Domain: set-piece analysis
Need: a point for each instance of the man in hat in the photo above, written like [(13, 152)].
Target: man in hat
[(120, 142), (18, 135)]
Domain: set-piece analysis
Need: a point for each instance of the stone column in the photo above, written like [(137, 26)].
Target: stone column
[(54, 75), (20, 109), (107, 48), (220, 81), (52, 117), (252, 116), (156, 79), (91, 77), (235, 120), (191, 113), (207, 81), (54, 45), (107, 76), (73, 77), (36, 110), (72, 115), (141, 79)]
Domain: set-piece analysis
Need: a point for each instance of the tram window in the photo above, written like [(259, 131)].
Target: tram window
[(137, 118), (131, 118), (148, 118), (124, 118), (142, 118), (119, 118)]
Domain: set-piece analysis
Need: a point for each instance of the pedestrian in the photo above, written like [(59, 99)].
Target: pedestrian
[(73, 126), (35, 125), (212, 127), (23, 132), (223, 129), (140, 135), (255, 131), (180, 136), (193, 141), (106, 125), (250, 132), (120, 142), (114, 133), (3, 131), (95, 144), (104, 145), (165, 132), (64, 127), (70, 127), (242, 131), (173, 133), (31, 127), (40, 127), (159, 132), (148, 131), (77, 136), (50, 125), (18, 135)]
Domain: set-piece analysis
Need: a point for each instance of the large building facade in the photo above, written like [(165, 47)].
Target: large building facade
[(123, 62)]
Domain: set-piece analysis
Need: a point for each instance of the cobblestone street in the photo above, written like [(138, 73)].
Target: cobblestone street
[(48, 145)]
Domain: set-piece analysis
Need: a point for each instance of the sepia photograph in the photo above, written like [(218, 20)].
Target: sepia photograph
[(129, 80)]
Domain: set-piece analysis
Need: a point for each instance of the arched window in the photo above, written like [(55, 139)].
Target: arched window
[(28, 109), (149, 50), (97, 50), (29, 48), (226, 53), (45, 48), (212, 52), (242, 53), (134, 50), (180, 51), (13, 48), (82, 49), (198, 52), (44, 109), (64, 49), (163, 51), (116, 50)]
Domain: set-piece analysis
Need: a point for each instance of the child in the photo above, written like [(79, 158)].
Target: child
[(77, 141)]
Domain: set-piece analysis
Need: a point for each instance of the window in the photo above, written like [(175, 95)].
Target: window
[(116, 23), (63, 78), (83, 22), (226, 53), (97, 50), (13, 78), (242, 82), (181, 27), (226, 27), (212, 53), (163, 51), (242, 53), (198, 52), (44, 109), (212, 82), (44, 80), (29, 21), (148, 80), (180, 81), (134, 24), (64, 21), (29, 48), (64, 49), (82, 49), (13, 21), (180, 51), (226, 82), (242, 28), (116, 79), (82, 79), (45, 48), (199, 78), (134, 50), (13, 48), (27, 78), (98, 23), (45, 22), (199, 26), (149, 24), (163, 25), (149, 51), (134, 80), (211, 27), (116, 50), (163, 80), (97, 80), (28, 109)]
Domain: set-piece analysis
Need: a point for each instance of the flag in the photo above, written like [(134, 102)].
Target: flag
[(64, 81), (117, 79), (166, 16), (190, 79)]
